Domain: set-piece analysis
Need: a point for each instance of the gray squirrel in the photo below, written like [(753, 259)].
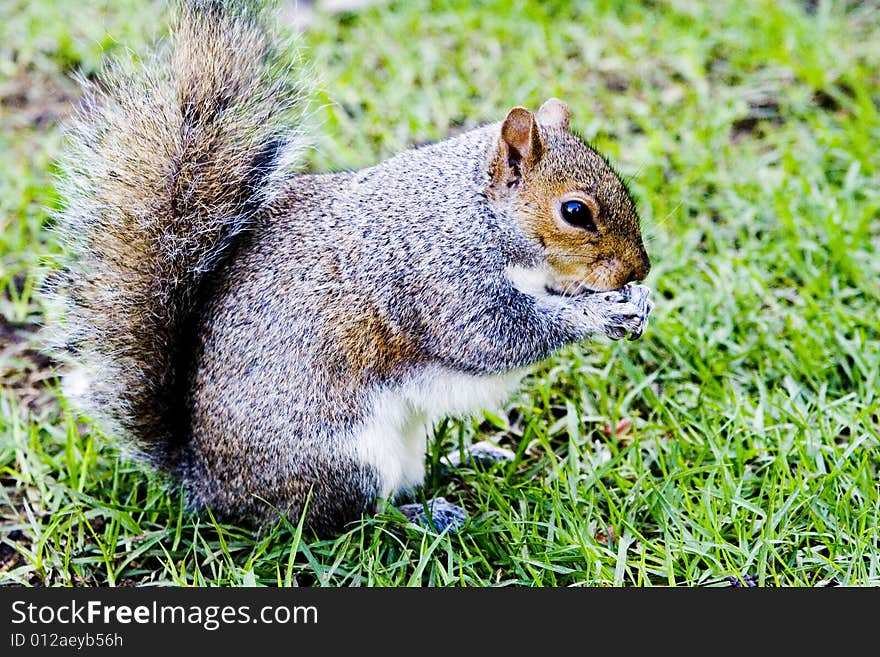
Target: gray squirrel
[(281, 343)]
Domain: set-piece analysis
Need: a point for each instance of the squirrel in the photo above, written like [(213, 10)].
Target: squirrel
[(281, 342)]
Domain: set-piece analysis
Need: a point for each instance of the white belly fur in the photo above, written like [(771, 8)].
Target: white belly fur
[(394, 438)]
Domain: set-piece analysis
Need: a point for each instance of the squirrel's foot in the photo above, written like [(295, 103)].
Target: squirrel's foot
[(482, 452), (443, 514), (623, 312)]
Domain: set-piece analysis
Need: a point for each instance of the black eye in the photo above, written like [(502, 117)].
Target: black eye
[(579, 214)]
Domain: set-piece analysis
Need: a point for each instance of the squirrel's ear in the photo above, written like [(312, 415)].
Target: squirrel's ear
[(520, 142), (554, 113)]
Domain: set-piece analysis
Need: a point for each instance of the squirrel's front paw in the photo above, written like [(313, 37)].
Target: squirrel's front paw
[(623, 312)]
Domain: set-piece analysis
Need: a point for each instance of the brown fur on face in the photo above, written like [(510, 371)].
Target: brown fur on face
[(539, 165)]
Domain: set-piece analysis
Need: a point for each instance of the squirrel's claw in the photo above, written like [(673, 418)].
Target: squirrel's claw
[(626, 312), (646, 306)]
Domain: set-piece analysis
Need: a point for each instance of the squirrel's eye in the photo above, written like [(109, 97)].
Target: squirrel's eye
[(579, 214)]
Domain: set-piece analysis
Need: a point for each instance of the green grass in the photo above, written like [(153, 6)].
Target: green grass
[(749, 132)]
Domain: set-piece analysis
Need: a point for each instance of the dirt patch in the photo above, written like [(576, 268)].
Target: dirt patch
[(300, 14), (763, 111), (10, 557), (830, 99), (34, 99)]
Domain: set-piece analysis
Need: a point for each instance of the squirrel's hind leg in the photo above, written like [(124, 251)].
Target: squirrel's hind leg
[(443, 514)]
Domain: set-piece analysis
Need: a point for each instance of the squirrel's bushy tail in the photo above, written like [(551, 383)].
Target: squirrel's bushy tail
[(168, 160)]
